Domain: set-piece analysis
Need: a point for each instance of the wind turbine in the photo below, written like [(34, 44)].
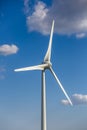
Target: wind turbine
[(46, 64)]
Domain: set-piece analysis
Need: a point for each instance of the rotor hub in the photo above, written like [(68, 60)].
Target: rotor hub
[(48, 64)]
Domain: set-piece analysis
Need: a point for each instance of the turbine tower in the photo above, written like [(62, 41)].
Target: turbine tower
[(46, 64)]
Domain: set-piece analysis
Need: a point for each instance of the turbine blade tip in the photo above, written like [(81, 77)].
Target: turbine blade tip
[(15, 70), (53, 20), (71, 104)]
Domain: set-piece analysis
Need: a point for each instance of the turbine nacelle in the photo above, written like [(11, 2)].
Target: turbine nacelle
[(48, 65)]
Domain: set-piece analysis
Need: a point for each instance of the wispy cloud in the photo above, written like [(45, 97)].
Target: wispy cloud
[(8, 49), (70, 17), (26, 5), (81, 35), (76, 99)]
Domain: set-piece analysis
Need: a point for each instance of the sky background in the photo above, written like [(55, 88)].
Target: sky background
[(24, 36)]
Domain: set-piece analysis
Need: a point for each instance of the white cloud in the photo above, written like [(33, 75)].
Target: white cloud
[(65, 102), (81, 35), (80, 99), (36, 22), (70, 17), (8, 49), (76, 99)]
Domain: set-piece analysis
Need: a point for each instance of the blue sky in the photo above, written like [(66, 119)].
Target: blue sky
[(24, 36)]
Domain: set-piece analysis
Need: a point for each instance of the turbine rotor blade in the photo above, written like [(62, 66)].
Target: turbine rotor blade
[(37, 67), (61, 86), (48, 53)]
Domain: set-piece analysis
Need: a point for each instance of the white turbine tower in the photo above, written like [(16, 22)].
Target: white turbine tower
[(46, 65)]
